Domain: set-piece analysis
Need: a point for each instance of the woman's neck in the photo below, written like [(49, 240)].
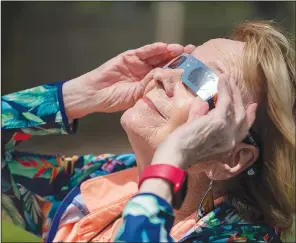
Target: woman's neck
[(198, 184)]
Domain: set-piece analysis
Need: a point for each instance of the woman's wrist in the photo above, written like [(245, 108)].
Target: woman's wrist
[(79, 99), (159, 187), (169, 154)]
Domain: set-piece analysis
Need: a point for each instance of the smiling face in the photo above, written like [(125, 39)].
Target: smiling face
[(166, 102)]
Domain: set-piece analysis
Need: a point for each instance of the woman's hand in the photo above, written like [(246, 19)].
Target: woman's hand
[(208, 133), (118, 83)]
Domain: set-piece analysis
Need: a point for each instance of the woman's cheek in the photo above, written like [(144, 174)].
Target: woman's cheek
[(180, 112)]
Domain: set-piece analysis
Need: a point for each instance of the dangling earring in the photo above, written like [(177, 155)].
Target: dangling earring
[(207, 203)]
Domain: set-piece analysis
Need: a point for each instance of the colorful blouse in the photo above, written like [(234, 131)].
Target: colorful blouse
[(37, 189)]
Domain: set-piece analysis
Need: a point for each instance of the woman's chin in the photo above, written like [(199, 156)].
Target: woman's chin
[(145, 132)]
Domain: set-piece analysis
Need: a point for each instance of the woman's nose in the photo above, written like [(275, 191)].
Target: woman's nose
[(166, 79)]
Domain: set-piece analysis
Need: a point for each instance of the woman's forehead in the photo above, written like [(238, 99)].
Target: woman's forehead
[(221, 55)]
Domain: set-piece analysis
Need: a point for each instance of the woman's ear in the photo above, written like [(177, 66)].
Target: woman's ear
[(242, 157)]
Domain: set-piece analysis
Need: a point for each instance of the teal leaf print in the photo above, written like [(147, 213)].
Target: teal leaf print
[(28, 98), (5, 186), (14, 124), (47, 109), (42, 131), (32, 207), (6, 106), (10, 213), (58, 117), (8, 113), (30, 222), (14, 187), (32, 117)]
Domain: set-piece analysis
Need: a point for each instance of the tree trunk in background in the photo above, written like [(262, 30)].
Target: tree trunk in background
[(169, 21)]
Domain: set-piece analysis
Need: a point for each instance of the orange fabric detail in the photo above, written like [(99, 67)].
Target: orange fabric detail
[(105, 197), (67, 233), (109, 234), (100, 192), (115, 228), (96, 221), (181, 228)]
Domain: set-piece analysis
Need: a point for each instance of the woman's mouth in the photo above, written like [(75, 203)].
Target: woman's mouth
[(151, 105)]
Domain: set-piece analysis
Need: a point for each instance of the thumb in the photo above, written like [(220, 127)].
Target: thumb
[(198, 108)]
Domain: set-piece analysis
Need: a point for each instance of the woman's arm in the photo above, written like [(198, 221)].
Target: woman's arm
[(114, 86), (147, 218), (34, 111)]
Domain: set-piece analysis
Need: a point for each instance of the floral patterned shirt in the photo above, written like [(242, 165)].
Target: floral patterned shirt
[(36, 188), (149, 218)]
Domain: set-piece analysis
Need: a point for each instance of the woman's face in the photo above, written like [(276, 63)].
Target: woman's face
[(166, 101)]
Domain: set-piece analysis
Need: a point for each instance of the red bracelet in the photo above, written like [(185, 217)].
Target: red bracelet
[(176, 176)]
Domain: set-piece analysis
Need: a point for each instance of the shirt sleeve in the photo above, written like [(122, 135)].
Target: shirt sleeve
[(34, 111), (146, 218)]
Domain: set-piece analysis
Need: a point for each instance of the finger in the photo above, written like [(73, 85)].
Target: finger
[(224, 96), (167, 79), (238, 104), (175, 50), (149, 77), (198, 108), (142, 87), (189, 48), (136, 66), (159, 60), (151, 50)]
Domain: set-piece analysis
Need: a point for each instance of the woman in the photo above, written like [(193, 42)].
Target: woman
[(33, 185), (253, 184), (246, 207)]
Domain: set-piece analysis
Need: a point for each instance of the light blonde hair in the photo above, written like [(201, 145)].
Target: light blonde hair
[(269, 70)]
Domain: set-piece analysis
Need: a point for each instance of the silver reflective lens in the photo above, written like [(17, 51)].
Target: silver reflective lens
[(196, 76)]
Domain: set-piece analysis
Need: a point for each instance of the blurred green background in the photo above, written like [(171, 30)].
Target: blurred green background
[(50, 41)]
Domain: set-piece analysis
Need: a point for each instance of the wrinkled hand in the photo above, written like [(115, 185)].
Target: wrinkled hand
[(208, 133), (121, 80), (118, 83)]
